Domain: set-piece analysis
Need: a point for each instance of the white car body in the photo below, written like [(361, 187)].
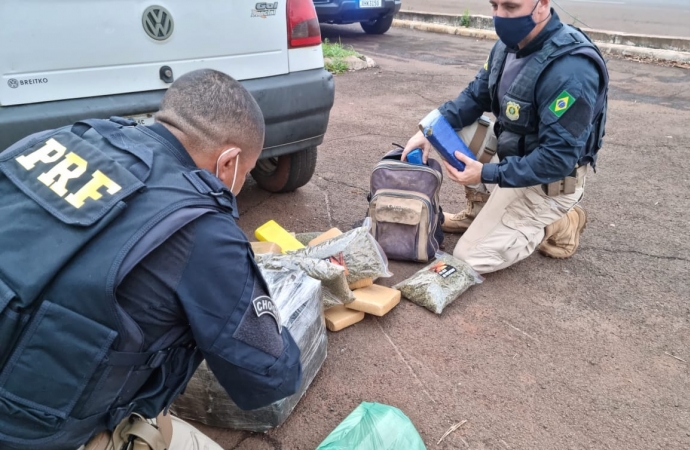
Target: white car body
[(65, 60)]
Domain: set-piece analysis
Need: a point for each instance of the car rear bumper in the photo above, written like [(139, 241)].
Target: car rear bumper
[(348, 11), (296, 109)]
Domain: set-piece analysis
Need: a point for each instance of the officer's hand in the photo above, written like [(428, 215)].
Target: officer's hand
[(417, 141), (472, 173)]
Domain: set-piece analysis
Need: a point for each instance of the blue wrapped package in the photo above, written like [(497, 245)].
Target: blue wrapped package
[(445, 139), (415, 157)]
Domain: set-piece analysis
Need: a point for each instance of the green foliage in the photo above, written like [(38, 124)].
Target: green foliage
[(337, 50), (465, 19), (336, 66), (336, 53)]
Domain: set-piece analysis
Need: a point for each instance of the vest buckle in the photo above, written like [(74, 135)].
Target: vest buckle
[(157, 359)]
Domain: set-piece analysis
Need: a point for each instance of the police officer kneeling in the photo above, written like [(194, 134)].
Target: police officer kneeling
[(547, 85), (122, 267)]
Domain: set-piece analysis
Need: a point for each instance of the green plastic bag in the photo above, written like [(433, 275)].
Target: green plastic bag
[(373, 426)]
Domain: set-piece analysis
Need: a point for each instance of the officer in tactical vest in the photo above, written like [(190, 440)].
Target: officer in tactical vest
[(546, 83), (123, 267)]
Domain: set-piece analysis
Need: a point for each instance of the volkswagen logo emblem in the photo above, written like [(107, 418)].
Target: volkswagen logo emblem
[(14, 84), (158, 23)]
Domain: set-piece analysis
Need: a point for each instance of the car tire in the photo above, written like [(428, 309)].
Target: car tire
[(285, 173), (378, 26)]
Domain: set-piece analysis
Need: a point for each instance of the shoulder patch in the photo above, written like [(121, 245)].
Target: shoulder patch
[(260, 317), (513, 111), (265, 305), (577, 118), (562, 103)]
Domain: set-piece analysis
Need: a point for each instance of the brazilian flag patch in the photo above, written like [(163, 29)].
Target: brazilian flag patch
[(562, 103)]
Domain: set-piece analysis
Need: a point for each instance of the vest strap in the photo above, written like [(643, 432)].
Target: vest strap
[(151, 360), (208, 184)]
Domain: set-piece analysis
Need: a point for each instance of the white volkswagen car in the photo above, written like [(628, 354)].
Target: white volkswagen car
[(66, 60)]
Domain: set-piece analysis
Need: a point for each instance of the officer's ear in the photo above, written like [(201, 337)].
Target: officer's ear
[(544, 6), (225, 165)]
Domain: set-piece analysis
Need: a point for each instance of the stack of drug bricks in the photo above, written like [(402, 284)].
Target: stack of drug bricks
[(370, 298)]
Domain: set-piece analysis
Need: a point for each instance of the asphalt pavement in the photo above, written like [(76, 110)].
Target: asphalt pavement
[(587, 353), (658, 17)]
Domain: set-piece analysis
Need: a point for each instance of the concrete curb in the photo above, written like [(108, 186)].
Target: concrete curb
[(678, 44), (658, 55)]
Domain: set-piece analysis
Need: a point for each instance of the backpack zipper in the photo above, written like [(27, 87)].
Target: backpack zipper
[(406, 166)]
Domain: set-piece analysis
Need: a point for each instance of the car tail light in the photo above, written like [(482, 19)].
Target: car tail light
[(303, 24)]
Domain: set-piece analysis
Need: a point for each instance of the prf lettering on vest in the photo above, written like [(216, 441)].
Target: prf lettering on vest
[(69, 166)]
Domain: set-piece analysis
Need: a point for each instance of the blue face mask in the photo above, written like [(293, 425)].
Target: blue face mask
[(513, 30)]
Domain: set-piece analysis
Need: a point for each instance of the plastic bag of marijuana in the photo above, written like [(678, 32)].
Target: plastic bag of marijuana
[(297, 297), (356, 250), (440, 283), (306, 238), (332, 276)]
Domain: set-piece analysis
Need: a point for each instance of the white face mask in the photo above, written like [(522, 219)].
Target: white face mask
[(237, 163)]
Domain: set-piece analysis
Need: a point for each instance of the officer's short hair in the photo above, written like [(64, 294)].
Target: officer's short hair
[(212, 109)]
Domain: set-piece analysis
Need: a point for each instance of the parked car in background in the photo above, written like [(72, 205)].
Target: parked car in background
[(63, 61), (375, 16)]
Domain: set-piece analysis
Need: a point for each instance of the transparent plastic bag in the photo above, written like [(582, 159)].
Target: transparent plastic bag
[(356, 250), (306, 238), (438, 284), (373, 426), (332, 276), (297, 297)]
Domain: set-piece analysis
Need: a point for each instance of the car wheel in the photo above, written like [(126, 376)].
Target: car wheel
[(378, 26), (285, 173)]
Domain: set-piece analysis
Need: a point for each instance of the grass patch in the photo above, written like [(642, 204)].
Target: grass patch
[(336, 66), (337, 52), (465, 19)]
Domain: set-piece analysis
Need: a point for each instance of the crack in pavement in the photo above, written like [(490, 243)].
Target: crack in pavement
[(329, 210), (636, 252), (247, 435), (399, 352), (427, 99), (342, 183), (253, 207), (517, 329)]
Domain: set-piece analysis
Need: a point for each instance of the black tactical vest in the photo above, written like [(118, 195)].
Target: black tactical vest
[(81, 206), (512, 83)]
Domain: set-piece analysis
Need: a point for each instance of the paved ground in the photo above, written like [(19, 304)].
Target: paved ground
[(663, 17), (544, 355)]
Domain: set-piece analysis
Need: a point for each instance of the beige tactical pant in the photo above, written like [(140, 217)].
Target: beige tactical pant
[(167, 432), (510, 227)]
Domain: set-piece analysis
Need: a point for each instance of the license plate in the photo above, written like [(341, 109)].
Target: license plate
[(369, 3), (142, 119)]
